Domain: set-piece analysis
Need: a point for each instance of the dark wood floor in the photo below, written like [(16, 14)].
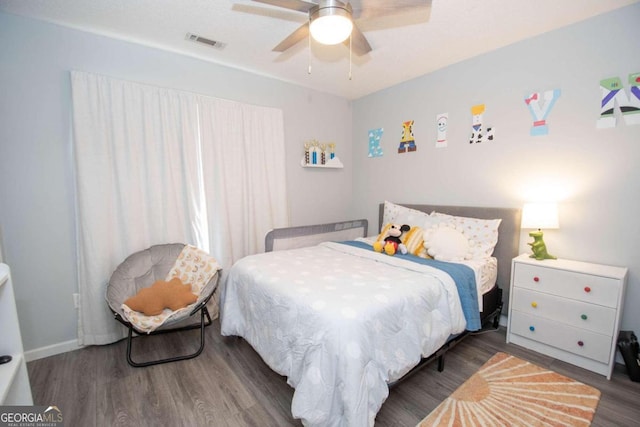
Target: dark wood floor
[(229, 385)]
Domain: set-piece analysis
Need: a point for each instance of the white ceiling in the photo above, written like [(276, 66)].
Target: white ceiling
[(404, 46)]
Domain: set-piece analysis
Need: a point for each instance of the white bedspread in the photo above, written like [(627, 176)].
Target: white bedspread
[(339, 322)]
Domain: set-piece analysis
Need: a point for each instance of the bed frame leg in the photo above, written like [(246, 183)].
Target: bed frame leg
[(441, 363), (496, 320)]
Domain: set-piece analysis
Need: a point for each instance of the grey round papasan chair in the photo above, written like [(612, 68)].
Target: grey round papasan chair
[(141, 270)]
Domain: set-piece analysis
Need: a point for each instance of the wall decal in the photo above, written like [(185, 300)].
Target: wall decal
[(613, 94), (408, 142), (442, 122), (375, 135), (476, 126), (541, 112)]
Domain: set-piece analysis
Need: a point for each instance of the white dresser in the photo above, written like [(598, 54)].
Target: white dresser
[(569, 310), (14, 379)]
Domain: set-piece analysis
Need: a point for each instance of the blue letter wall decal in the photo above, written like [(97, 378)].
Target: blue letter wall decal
[(541, 112)]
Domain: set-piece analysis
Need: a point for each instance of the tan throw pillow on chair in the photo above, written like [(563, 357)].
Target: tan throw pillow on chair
[(173, 295)]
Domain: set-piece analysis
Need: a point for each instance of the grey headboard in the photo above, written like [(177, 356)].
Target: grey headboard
[(508, 234)]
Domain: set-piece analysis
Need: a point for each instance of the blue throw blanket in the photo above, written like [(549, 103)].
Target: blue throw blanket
[(462, 275)]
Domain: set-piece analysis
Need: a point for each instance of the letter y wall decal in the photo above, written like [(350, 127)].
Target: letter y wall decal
[(540, 104)]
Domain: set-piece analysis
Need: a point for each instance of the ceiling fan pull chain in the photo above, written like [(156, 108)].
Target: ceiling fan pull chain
[(309, 70), (350, 54)]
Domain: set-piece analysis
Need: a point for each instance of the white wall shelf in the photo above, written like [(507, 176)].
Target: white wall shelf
[(14, 378), (334, 163)]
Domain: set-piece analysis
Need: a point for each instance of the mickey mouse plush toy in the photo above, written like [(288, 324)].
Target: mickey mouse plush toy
[(392, 242)]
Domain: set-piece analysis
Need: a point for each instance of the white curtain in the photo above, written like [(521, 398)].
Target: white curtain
[(137, 183), (244, 174), (154, 166)]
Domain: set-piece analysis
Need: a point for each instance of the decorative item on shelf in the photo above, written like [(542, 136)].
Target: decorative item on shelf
[(314, 152), (538, 216), (320, 155), (307, 147)]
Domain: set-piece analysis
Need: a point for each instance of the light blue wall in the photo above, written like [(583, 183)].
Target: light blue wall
[(36, 175), (594, 174)]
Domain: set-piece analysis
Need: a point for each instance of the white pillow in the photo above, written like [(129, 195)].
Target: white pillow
[(484, 232), (444, 243), (397, 214)]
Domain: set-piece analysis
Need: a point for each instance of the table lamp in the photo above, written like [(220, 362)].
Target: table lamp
[(539, 216)]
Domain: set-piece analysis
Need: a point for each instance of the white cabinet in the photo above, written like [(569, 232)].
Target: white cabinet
[(569, 310), (14, 379)]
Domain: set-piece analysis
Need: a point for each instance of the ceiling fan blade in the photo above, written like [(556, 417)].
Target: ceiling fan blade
[(359, 43), (299, 5), (368, 9), (301, 33)]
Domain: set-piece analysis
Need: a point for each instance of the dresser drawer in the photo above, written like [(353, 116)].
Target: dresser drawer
[(569, 284), (583, 315), (575, 340)]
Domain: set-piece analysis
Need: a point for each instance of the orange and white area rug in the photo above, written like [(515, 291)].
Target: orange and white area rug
[(508, 391)]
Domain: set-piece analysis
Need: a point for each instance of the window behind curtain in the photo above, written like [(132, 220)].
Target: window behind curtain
[(156, 165)]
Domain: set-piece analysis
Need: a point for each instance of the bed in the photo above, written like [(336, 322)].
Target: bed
[(344, 323)]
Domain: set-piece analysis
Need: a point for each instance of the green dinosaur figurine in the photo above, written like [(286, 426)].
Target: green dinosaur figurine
[(538, 247)]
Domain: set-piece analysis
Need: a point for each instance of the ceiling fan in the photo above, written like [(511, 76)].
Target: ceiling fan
[(333, 21)]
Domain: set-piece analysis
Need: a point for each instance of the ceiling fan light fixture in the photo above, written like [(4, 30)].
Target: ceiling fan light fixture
[(330, 23)]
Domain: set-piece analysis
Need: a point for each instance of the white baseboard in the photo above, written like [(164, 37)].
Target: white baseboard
[(51, 350)]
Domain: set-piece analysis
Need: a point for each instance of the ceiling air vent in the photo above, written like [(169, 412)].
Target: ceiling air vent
[(209, 42)]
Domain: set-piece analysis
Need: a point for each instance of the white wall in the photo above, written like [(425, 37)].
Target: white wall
[(593, 173), (36, 175)]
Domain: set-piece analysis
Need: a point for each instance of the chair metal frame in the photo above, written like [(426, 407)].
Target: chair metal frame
[(204, 313)]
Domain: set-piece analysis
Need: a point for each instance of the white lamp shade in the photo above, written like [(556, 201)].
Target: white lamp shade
[(540, 215), (332, 26)]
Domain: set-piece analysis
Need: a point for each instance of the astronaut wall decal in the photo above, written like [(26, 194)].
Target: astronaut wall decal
[(614, 94)]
